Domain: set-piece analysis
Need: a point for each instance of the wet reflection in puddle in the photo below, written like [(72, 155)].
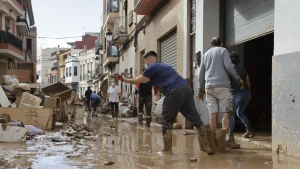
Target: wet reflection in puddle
[(129, 145)]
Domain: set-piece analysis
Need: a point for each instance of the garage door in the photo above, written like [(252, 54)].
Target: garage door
[(248, 19), (168, 49)]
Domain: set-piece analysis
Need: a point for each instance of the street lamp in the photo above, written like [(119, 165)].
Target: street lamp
[(108, 35)]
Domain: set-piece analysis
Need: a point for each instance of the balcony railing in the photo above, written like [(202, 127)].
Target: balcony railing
[(20, 2), (120, 26), (112, 51), (136, 2), (25, 19), (112, 6), (7, 37), (54, 68), (98, 43), (130, 18)]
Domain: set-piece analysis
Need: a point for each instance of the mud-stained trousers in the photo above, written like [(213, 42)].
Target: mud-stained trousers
[(179, 100), (147, 102)]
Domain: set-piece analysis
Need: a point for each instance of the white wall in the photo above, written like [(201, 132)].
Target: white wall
[(286, 40), (71, 62), (44, 63)]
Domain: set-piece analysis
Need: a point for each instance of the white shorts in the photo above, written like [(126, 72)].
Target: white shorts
[(219, 100)]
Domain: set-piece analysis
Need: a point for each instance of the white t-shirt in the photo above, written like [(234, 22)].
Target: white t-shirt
[(113, 94)]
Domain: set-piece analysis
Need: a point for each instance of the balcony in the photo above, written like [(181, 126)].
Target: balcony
[(23, 24), (111, 56), (11, 5), (98, 44), (112, 11), (120, 33), (11, 46), (54, 68), (146, 7)]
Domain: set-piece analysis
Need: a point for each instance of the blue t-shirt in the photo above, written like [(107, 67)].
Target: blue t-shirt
[(95, 96), (164, 77)]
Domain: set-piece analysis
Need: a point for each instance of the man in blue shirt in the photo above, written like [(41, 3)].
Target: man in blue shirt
[(95, 100), (178, 98)]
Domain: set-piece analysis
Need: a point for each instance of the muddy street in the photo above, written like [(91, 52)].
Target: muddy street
[(124, 144)]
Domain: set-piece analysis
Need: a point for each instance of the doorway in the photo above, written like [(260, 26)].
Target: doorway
[(256, 56)]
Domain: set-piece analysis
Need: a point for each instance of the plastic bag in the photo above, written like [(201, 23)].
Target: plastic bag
[(11, 81), (32, 130)]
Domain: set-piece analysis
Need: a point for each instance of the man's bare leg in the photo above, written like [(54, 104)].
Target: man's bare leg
[(213, 120)]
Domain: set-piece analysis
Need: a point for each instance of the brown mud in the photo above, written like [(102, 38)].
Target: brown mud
[(128, 145)]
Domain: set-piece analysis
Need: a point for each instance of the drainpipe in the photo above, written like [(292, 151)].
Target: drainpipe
[(186, 40)]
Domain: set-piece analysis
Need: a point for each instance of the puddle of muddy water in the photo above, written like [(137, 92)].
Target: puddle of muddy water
[(131, 146)]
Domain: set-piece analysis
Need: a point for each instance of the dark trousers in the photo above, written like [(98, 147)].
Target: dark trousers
[(179, 100), (115, 109), (147, 102), (88, 104)]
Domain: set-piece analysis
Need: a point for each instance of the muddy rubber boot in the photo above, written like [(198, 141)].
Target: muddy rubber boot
[(167, 143), (202, 136), (249, 134), (140, 117), (231, 143)]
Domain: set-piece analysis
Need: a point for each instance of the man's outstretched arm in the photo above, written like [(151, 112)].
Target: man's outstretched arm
[(140, 79)]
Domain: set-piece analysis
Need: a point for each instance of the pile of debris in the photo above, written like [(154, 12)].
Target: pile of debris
[(26, 110)]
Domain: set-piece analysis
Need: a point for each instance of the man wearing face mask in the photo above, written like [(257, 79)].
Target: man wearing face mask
[(178, 98)]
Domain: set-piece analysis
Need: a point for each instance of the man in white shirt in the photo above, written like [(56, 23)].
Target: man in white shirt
[(113, 93)]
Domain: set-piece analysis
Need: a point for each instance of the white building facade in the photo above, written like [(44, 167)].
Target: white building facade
[(44, 63), (88, 71), (72, 71)]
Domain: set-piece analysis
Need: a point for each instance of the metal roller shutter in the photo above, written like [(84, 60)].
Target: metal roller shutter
[(248, 19), (168, 49)]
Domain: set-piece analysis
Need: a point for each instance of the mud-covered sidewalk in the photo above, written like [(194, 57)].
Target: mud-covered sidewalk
[(126, 145)]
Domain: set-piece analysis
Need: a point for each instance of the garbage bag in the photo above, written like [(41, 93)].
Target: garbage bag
[(16, 123), (32, 130)]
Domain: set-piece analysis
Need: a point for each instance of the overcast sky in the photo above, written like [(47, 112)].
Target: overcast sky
[(65, 18)]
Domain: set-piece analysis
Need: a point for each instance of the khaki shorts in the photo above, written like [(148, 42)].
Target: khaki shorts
[(219, 100)]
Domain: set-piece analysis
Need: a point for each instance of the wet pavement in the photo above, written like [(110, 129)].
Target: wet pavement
[(128, 145)]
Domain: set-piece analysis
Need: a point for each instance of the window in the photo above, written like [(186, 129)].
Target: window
[(67, 72), (70, 71), (75, 70)]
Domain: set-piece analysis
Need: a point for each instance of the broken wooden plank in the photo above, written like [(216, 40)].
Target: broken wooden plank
[(38, 117), (12, 134), (3, 98)]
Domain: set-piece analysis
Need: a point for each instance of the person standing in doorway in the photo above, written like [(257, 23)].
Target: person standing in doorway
[(240, 98), (215, 69), (178, 98), (87, 94), (145, 99), (114, 98)]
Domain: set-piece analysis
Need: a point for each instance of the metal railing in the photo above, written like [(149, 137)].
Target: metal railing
[(112, 51), (112, 6), (54, 68), (130, 18), (136, 2), (120, 26), (7, 37), (98, 43), (20, 2)]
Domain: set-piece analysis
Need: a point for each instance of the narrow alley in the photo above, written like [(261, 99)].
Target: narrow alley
[(128, 145)]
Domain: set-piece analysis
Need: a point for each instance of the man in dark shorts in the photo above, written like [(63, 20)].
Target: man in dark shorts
[(178, 98)]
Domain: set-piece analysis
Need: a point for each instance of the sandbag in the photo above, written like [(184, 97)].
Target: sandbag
[(30, 99)]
